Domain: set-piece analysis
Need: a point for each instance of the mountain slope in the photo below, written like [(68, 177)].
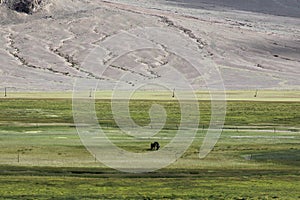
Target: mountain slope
[(48, 49)]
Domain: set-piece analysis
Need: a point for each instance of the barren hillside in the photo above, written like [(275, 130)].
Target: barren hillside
[(140, 42)]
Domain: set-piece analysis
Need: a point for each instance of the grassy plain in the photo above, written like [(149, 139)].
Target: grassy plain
[(257, 156)]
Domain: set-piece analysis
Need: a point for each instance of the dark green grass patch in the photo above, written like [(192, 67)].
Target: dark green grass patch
[(217, 187)]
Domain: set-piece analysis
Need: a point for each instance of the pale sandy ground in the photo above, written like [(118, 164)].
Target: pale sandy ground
[(46, 51)]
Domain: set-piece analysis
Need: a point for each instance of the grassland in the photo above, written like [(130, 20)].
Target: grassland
[(239, 95), (257, 156)]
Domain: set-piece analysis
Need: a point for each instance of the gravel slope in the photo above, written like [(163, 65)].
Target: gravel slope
[(48, 49)]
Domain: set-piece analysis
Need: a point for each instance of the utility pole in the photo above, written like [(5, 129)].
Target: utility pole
[(5, 95), (173, 93), (256, 91)]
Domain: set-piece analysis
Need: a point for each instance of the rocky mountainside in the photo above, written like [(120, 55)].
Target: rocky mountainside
[(25, 6)]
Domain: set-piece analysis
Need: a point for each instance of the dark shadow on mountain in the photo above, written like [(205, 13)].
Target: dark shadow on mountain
[(290, 8)]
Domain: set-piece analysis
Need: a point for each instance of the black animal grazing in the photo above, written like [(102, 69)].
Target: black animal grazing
[(155, 146)]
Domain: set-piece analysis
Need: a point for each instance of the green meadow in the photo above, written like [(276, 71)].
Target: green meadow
[(256, 157)]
